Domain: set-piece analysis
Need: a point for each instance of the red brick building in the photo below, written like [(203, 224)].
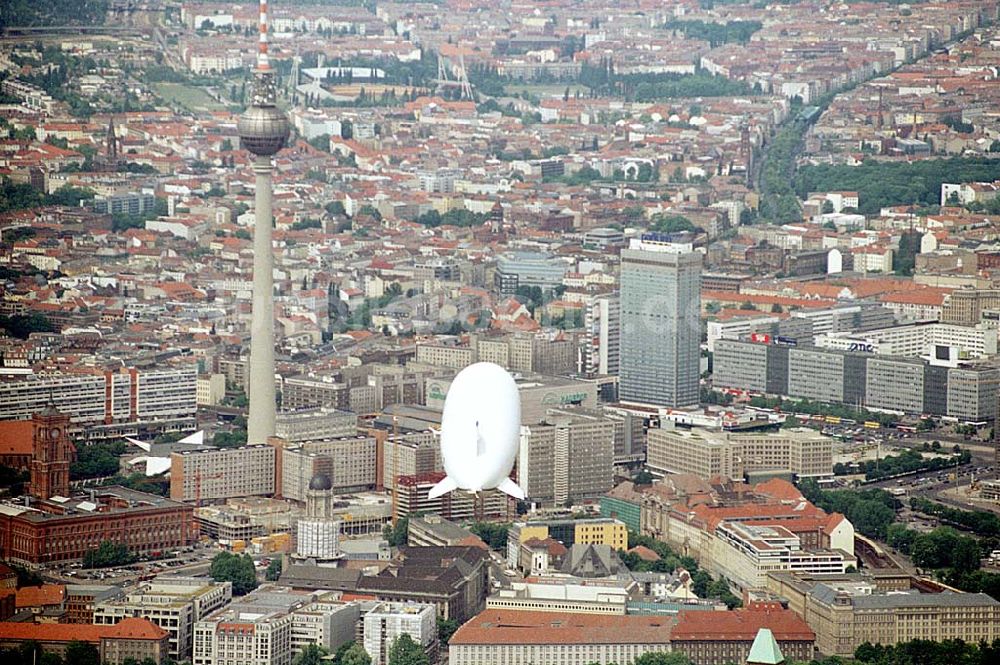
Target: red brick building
[(717, 638), (136, 639), (52, 452), (64, 530)]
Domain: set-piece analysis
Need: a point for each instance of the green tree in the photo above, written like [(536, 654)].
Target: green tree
[(494, 535), (355, 655), (82, 653), (446, 628), (273, 571), (108, 554), (644, 477), (405, 651), (312, 654), (397, 535), (239, 570), (21, 326), (661, 658)]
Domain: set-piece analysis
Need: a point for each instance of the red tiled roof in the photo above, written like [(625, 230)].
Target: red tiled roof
[(644, 553), (40, 596), (740, 625), (134, 628), (16, 437), (70, 632), (523, 627)]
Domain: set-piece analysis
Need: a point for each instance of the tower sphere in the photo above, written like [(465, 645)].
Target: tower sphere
[(263, 130), (320, 482)]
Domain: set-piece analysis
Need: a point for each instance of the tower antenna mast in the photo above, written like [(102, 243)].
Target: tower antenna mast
[(263, 130)]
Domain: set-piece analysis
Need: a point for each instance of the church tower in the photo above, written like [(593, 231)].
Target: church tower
[(52, 452)]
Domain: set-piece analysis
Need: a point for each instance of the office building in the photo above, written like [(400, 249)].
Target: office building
[(745, 553), (271, 626), (325, 622), (173, 603), (304, 392), (507, 637), (602, 322), (965, 390), (846, 611), (387, 622), (801, 327), (216, 474), (528, 269), (48, 532), (917, 340), (530, 353), (132, 640), (706, 453), (445, 355), (315, 424), (660, 323), (538, 394), (566, 459)]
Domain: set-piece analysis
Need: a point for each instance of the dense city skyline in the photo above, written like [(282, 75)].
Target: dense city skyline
[(719, 277)]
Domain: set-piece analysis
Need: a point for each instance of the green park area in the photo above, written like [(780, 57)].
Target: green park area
[(191, 98)]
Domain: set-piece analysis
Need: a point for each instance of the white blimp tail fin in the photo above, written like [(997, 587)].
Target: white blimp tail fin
[(508, 486), (480, 445), (443, 487)]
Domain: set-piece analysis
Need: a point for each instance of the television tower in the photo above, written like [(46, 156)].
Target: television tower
[(263, 129)]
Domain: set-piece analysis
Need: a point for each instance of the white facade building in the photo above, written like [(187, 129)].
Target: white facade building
[(388, 621)]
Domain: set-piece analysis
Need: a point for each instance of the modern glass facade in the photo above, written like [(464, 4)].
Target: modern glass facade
[(660, 324)]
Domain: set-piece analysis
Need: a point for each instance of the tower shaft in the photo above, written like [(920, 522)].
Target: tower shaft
[(263, 411)]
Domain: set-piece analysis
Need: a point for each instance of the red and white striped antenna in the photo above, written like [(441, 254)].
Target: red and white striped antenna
[(263, 63)]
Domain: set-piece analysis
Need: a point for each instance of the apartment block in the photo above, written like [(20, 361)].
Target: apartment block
[(410, 455), (216, 474), (349, 462), (132, 395), (568, 458), (315, 424)]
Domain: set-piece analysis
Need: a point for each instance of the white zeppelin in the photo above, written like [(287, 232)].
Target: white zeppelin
[(480, 428)]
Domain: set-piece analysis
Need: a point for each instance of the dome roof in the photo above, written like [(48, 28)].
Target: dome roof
[(321, 481)]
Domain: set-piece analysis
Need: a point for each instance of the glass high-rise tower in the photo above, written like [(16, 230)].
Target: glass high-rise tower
[(660, 322)]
